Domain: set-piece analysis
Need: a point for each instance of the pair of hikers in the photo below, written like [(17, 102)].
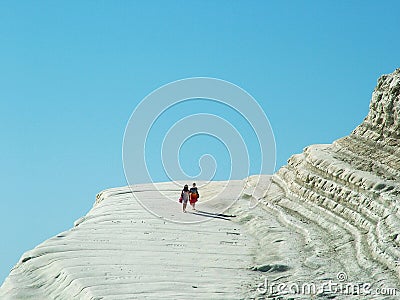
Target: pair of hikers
[(189, 195)]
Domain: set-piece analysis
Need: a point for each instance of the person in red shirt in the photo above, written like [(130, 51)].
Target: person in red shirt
[(194, 195)]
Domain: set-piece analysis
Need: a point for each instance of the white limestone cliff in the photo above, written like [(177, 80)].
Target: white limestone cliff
[(331, 214), (343, 198)]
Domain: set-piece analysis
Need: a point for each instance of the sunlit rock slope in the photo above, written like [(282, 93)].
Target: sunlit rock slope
[(119, 250), (344, 199)]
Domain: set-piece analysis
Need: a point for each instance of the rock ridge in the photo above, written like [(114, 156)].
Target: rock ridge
[(352, 186)]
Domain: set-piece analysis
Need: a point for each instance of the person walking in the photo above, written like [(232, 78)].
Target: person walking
[(185, 197), (194, 196)]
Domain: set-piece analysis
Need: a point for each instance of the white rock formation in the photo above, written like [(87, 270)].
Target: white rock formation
[(121, 251), (330, 215), (343, 199)]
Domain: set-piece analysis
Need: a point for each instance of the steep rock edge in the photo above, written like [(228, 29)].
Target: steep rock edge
[(344, 197)]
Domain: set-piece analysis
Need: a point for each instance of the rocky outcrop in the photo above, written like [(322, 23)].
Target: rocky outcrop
[(351, 190)]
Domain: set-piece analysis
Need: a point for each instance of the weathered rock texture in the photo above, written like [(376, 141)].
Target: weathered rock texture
[(121, 251), (344, 197)]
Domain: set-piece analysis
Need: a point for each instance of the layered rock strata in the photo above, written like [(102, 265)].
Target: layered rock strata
[(344, 198)]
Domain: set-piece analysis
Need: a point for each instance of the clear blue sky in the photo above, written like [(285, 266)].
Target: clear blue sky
[(71, 73)]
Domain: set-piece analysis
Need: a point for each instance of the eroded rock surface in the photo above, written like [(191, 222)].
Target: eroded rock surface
[(121, 251), (343, 198)]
